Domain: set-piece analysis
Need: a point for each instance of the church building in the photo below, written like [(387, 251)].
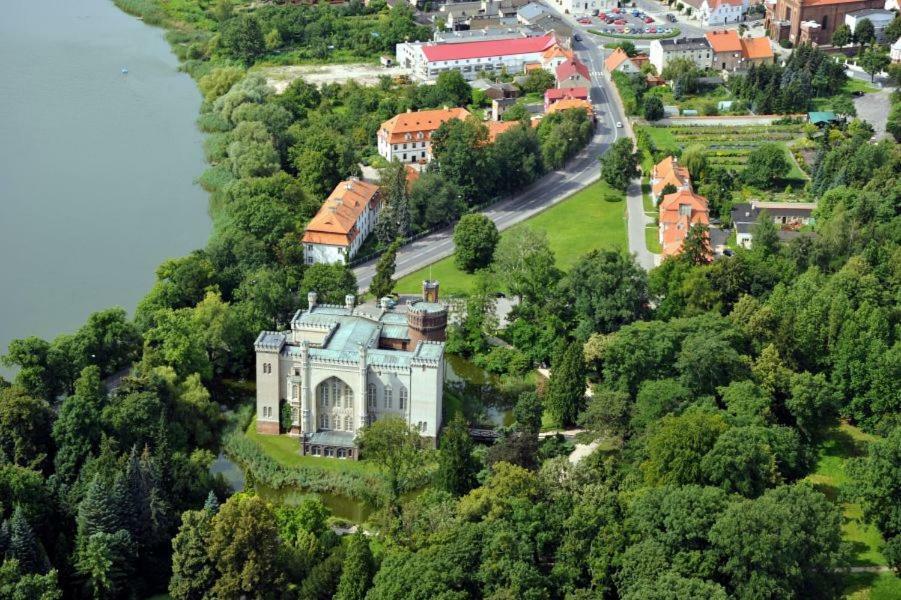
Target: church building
[(339, 368)]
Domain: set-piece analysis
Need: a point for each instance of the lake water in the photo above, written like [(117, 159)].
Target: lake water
[(97, 167)]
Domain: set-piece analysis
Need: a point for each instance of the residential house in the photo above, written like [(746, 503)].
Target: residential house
[(344, 220), (572, 104), (784, 18), (722, 12), (727, 49), (789, 217), (573, 74), (473, 59), (554, 56), (878, 17), (697, 50), (495, 90), (562, 31), (407, 137), (756, 51), (555, 94), (668, 172), (499, 106), (618, 60), (679, 212), (581, 8), (340, 368), (896, 51)]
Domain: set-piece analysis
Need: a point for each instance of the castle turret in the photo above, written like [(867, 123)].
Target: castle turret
[(311, 299), (427, 319)]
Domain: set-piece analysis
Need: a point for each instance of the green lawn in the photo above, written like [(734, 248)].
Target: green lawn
[(592, 218), (286, 450), (652, 239), (649, 207), (843, 443)]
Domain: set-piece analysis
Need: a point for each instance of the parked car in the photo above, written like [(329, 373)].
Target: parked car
[(585, 21), (602, 16), (670, 17), (653, 30), (627, 30), (577, 37), (648, 20), (647, 30), (619, 124), (619, 22)]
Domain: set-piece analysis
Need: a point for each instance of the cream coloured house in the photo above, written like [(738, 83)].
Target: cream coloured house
[(339, 368)]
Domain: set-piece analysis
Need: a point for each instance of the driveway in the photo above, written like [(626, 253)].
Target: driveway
[(874, 108)]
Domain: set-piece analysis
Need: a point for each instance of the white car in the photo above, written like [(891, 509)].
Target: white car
[(619, 124)]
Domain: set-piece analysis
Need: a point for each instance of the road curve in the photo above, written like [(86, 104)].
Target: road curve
[(551, 189)]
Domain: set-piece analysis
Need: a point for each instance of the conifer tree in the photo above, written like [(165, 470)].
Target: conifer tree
[(696, 246), (456, 466), (24, 545), (212, 503), (97, 511), (358, 570), (566, 388), (193, 571), (382, 283)]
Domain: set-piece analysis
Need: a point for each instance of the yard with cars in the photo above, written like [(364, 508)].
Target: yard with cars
[(626, 22)]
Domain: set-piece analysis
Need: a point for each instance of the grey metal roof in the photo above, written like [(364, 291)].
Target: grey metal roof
[(699, 43), (530, 11), (343, 439)]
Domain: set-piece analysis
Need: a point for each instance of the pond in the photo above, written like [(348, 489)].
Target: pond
[(341, 506)]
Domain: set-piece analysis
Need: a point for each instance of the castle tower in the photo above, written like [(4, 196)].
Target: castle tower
[(427, 319)]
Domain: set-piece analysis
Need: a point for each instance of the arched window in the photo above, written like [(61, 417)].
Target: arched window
[(389, 397), (402, 398), (370, 395)]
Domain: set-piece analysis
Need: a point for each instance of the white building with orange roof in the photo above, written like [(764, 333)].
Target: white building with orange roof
[(344, 220), (679, 212), (722, 12), (669, 172), (407, 136), (555, 56), (618, 60), (572, 104)]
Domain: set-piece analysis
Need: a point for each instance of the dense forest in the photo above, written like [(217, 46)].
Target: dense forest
[(714, 384)]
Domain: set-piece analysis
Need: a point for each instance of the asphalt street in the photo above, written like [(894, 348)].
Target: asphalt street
[(549, 190)]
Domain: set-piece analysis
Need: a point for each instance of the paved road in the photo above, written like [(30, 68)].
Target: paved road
[(874, 108), (551, 189)]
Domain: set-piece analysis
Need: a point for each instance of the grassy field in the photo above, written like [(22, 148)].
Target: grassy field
[(652, 239), (286, 450), (591, 218), (866, 543)]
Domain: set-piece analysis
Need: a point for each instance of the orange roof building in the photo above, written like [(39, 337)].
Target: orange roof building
[(570, 104), (757, 51), (407, 136), (554, 56), (669, 172), (679, 212), (618, 60), (726, 47), (344, 220)]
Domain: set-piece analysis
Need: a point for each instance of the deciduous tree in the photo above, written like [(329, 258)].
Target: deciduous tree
[(619, 164), (475, 238)]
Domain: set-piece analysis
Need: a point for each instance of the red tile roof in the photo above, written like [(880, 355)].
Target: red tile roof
[(756, 48), (618, 57), (570, 68), (422, 121), (554, 94), (483, 49), (726, 40), (335, 223)]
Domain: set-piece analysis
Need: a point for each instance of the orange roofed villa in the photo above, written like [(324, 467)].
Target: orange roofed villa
[(668, 172), (344, 220), (679, 212), (407, 136)]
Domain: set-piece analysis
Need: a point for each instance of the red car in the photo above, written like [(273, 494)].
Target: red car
[(602, 16), (616, 10), (648, 20), (619, 22), (585, 21)]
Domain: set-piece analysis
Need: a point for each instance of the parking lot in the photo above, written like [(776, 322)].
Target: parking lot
[(628, 21)]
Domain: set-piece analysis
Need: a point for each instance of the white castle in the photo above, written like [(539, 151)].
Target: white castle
[(340, 368)]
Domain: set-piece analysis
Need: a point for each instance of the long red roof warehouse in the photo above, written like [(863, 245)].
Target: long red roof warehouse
[(464, 50)]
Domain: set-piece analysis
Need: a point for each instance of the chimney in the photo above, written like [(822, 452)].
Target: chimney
[(430, 290), (349, 301), (311, 299), (349, 185)]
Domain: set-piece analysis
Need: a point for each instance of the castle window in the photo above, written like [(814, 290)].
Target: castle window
[(389, 397), (370, 395), (323, 396), (347, 423), (348, 397), (402, 398), (336, 398), (424, 426)]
